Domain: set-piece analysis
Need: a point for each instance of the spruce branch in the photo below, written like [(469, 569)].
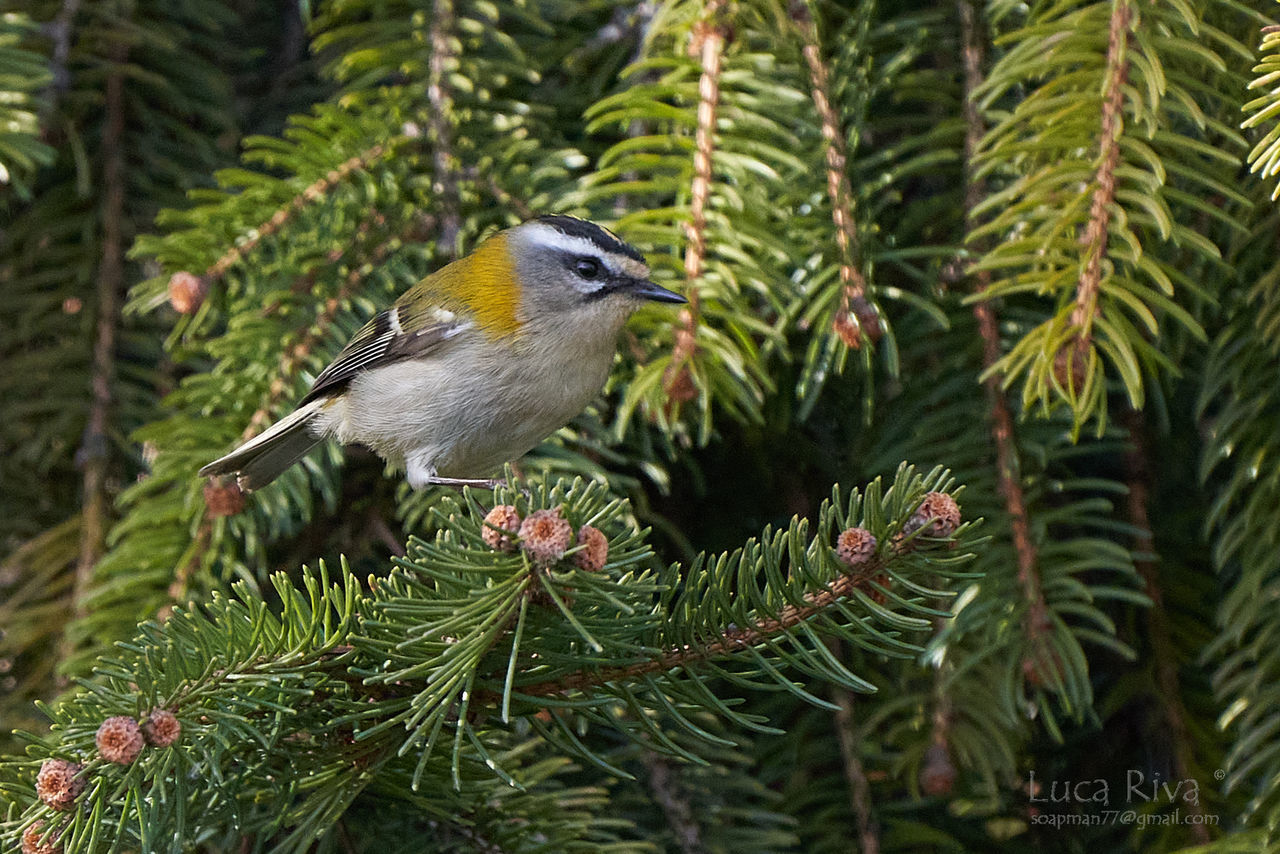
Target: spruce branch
[(856, 314), (707, 45), (850, 762), (94, 454), (1169, 694), (440, 100), (1097, 231), (732, 640), (355, 684), (1000, 419), (1092, 222), (227, 499), (313, 193)]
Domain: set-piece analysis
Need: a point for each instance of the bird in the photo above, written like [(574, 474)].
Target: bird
[(475, 364)]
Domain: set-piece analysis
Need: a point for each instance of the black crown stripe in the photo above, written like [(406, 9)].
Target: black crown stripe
[(602, 237)]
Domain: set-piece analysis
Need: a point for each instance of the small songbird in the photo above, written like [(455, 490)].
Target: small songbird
[(475, 364)]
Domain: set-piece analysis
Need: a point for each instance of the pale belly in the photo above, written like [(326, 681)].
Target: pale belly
[(467, 419)]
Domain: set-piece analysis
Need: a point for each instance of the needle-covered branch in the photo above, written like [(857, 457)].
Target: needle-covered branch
[(551, 616)]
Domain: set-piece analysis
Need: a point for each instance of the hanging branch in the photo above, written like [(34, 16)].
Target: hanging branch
[(1096, 232), (188, 291), (59, 31), (856, 315), (1169, 695), (709, 35), (674, 804), (859, 787), (1095, 236), (733, 640), (94, 454), (441, 101), (1007, 467)]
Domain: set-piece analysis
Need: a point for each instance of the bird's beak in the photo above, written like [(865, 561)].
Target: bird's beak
[(645, 289)]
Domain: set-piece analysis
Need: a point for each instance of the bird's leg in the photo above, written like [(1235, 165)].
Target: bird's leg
[(479, 482), (421, 474)]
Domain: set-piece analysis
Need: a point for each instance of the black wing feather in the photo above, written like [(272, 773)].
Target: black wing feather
[(376, 344)]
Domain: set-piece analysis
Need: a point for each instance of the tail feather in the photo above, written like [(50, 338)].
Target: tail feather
[(260, 460)]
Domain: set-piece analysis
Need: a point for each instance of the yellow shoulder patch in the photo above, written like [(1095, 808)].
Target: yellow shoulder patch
[(491, 280)]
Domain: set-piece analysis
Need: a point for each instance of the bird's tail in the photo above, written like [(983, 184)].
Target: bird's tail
[(260, 460)]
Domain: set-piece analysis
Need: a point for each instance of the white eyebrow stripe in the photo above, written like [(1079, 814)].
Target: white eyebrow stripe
[(552, 238)]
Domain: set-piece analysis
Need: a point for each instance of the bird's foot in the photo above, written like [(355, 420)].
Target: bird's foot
[(459, 482)]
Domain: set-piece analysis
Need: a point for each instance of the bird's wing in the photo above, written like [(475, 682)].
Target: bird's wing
[(384, 340)]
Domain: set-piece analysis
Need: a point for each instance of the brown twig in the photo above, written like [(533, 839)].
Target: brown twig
[(854, 774), (94, 452), (1096, 232), (317, 190), (441, 102), (674, 804), (731, 641), (1169, 697), (856, 315), (709, 36), (60, 31), (1008, 470)]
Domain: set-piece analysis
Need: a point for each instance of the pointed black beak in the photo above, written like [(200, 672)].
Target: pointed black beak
[(645, 289)]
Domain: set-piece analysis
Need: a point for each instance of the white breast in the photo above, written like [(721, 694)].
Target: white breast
[(475, 403)]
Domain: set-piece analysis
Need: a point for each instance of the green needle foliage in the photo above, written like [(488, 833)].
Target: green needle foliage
[(433, 678), (1027, 247)]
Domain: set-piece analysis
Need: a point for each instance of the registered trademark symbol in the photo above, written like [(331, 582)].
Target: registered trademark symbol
[(1219, 774)]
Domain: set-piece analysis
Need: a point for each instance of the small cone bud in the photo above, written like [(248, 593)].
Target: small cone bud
[(846, 326), (498, 520), (31, 843), (187, 292), (161, 728), (855, 546), (223, 499), (119, 740), (1071, 366), (58, 784), (545, 536), (938, 776), (595, 549), (942, 510)]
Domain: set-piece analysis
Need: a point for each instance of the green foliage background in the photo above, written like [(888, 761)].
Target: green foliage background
[(1029, 248)]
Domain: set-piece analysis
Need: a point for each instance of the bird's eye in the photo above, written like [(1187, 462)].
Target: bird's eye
[(587, 268)]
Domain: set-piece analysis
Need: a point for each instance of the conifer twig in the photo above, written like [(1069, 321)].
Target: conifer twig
[(290, 360), (674, 804), (315, 191), (855, 775), (1007, 467), (441, 101), (94, 450), (734, 639), (1096, 232), (856, 315), (709, 35), (1169, 696), (59, 31)]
